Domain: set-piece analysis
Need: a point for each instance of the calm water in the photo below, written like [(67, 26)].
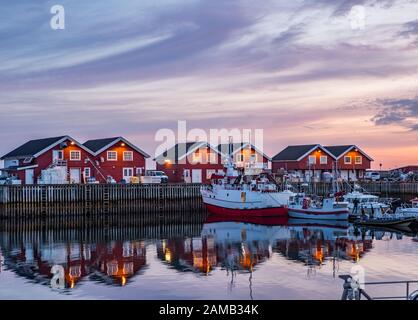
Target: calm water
[(210, 260)]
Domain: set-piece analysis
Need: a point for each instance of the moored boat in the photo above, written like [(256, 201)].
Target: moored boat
[(360, 203), (410, 211), (301, 206), (239, 195), (386, 220)]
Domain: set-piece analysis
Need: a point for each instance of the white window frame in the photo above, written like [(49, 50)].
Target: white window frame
[(112, 152), (240, 157), (75, 152), (358, 162), (128, 152), (60, 154), (89, 171), (345, 159), (127, 168), (211, 171), (312, 158), (321, 158), (212, 157)]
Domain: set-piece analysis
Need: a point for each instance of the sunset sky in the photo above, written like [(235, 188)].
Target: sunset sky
[(297, 69)]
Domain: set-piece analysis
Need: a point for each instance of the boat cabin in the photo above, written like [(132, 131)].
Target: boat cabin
[(361, 197)]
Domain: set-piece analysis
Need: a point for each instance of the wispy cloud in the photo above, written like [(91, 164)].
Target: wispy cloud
[(290, 67), (402, 112)]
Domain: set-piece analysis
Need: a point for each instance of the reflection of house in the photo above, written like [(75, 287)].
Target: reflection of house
[(314, 248), (202, 255), (191, 162), (114, 263), (120, 261)]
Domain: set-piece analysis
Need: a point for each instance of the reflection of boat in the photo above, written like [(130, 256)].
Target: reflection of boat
[(392, 229), (239, 232), (267, 221), (339, 224), (301, 206)]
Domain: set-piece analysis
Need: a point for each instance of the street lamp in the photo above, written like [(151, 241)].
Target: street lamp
[(380, 166)]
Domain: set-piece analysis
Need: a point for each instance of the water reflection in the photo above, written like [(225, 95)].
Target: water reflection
[(118, 255), (112, 263)]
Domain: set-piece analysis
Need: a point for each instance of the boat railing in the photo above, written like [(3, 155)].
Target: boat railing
[(352, 290)]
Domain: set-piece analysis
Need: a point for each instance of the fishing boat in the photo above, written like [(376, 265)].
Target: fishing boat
[(409, 211), (385, 220), (301, 206), (360, 203), (236, 194)]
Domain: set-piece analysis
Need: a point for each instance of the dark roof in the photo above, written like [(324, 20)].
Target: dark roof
[(96, 145), (32, 147), (292, 153), (224, 148), (338, 150), (179, 150)]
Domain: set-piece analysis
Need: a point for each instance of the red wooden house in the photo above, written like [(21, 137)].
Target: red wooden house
[(311, 161), (27, 161), (245, 155), (191, 162), (115, 157), (352, 162), (306, 161)]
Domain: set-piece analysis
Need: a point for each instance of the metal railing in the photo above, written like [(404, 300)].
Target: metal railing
[(352, 290)]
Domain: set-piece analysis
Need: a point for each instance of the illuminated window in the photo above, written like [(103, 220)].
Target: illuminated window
[(359, 159), (197, 157), (312, 160), (347, 160), (128, 156), (75, 155), (112, 156), (324, 160)]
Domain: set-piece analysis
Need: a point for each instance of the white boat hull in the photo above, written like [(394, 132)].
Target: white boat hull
[(318, 214)]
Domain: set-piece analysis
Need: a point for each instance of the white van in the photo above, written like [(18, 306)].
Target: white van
[(372, 175)]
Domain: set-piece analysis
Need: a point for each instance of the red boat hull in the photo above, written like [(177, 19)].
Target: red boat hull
[(239, 213)]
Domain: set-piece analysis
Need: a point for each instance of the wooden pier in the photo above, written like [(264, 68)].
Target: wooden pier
[(31, 198), (91, 193)]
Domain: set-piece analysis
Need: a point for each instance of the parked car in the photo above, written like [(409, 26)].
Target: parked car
[(160, 174), (372, 175)]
